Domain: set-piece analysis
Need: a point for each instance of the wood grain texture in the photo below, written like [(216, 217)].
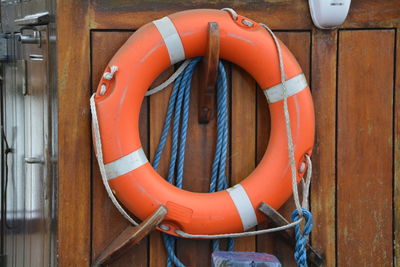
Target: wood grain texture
[(158, 107), (323, 186), (278, 14), (243, 137), (132, 14), (130, 237), (74, 139), (199, 155), (396, 155), (299, 44), (208, 70), (107, 222), (364, 148)]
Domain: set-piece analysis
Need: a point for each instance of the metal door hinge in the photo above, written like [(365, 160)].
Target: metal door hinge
[(33, 160)]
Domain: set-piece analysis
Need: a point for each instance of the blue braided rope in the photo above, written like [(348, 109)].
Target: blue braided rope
[(300, 253), (178, 114)]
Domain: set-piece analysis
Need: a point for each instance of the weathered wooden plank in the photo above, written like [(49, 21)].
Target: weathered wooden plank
[(158, 107), (397, 155), (323, 186), (364, 148), (243, 137), (299, 44), (130, 237), (278, 14), (74, 142), (373, 14), (107, 222), (265, 243), (133, 14)]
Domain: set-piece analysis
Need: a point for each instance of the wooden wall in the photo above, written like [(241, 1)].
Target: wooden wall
[(354, 75)]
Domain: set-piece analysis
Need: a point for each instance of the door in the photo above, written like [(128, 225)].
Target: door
[(28, 183)]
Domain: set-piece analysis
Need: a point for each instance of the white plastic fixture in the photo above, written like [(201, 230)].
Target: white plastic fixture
[(328, 14)]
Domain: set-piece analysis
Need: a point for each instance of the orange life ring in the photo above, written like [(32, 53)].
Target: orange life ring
[(148, 52)]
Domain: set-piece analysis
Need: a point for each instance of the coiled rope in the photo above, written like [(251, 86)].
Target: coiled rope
[(300, 252), (178, 112)]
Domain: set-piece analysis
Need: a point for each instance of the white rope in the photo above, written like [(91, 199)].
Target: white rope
[(306, 183), (231, 11), (241, 234), (287, 122), (99, 155), (170, 80), (110, 75)]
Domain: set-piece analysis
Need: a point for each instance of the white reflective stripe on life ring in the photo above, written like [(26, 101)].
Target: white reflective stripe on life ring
[(171, 39), (125, 164), (243, 206), (293, 86)]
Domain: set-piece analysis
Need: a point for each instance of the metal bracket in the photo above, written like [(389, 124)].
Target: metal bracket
[(34, 19), (277, 220)]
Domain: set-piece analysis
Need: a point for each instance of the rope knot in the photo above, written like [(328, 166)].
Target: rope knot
[(301, 236), (110, 75)]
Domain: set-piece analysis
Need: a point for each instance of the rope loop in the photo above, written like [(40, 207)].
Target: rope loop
[(301, 236), (110, 75), (231, 11)]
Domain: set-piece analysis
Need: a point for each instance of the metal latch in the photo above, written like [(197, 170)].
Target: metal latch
[(33, 38), (34, 19)]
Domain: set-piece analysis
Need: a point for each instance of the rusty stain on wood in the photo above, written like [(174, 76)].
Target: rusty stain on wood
[(396, 155), (364, 148), (123, 14), (74, 140), (323, 186)]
